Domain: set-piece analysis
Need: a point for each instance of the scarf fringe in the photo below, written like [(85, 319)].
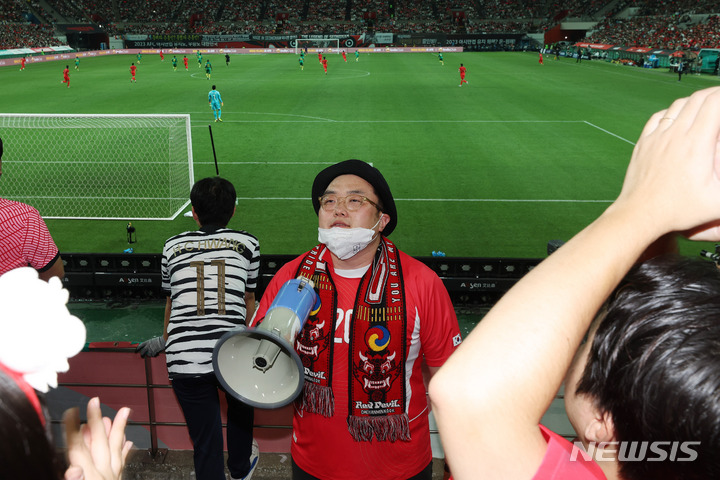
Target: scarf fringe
[(318, 399), (392, 428)]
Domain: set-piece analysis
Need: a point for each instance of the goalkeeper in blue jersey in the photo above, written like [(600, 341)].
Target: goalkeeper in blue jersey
[(216, 103)]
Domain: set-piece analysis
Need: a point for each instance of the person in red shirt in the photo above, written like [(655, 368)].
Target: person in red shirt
[(349, 358), (344, 57), (632, 335), (162, 57), (25, 239), (185, 60), (22, 64), (540, 60), (320, 57), (66, 76), (324, 63), (462, 71), (133, 69)]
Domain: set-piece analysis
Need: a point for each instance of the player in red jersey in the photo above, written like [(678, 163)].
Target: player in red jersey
[(462, 71), (133, 69), (344, 57), (66, 76), (324, 63), (541, 59), (320, 57), (162, 56), (185, 60), (22, 64)]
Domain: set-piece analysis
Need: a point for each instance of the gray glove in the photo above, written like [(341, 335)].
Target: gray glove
[(152, 347)]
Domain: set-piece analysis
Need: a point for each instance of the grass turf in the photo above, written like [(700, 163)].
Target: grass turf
[(524, 154)]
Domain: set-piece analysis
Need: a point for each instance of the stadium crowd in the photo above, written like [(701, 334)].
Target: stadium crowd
[(660, 23), (661, 31)]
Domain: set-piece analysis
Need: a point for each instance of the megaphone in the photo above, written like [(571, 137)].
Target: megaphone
[(259, 366)]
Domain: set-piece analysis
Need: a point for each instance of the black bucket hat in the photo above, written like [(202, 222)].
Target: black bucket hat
[(368, 173)]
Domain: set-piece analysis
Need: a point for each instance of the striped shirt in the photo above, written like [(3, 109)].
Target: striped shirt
[(206, 273), (24, 238)]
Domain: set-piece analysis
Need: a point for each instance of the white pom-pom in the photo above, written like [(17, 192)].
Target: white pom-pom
[(37, 332)]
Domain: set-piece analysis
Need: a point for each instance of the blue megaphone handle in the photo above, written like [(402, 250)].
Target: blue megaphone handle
[(298, 296)]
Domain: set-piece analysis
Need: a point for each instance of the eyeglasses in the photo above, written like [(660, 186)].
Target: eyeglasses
[(353, 203)]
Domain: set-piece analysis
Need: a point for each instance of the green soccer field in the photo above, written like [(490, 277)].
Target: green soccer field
[(524, 154)]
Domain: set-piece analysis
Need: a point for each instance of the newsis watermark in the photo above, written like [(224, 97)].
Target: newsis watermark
[(635, 451)]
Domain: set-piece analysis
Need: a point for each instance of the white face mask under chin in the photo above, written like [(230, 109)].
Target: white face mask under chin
[(345, 243)]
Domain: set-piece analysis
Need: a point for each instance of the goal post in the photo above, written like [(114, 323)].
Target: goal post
[(329, 45), (120, 167)]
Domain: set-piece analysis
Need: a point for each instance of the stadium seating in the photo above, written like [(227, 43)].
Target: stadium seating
[(657, 23), (122, 277)]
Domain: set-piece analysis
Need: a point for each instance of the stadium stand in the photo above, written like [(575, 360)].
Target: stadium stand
[(667, 24)]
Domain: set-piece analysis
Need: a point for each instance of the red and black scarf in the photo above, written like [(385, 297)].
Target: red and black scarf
[(376, 379)]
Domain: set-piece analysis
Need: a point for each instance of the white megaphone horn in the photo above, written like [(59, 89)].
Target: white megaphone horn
[(259, 366)]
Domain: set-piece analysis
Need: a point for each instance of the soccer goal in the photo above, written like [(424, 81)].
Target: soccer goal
[(128, 167), (329, 45)]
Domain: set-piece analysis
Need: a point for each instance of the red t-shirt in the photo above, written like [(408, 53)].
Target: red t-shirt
[(560, 464), (462, 71), (66, 73), (24, 238), (132, 70), (323, 446)]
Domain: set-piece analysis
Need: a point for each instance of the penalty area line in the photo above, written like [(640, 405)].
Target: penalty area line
[(610, 133)]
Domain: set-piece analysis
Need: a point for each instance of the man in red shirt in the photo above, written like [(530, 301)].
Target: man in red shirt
[(384, 317), (25, 239), (185, 60), (133, 69), (324, 63), (462, 70), (66, 76), (635, 344), (22, 64), (344, 57)]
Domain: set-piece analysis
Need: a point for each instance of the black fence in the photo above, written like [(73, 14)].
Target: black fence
[(127, 277)]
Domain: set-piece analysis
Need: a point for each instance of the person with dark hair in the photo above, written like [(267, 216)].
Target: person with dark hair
[(29, 365), (463, 71), (680, 68), (216, 103), (384, 316), (210, 276), (27, 448), (208, 69), (34, 456), (641, 392), (25, 239), (66, 76)]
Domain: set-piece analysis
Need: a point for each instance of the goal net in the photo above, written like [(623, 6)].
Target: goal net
[(127, 167), (329, 45)]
